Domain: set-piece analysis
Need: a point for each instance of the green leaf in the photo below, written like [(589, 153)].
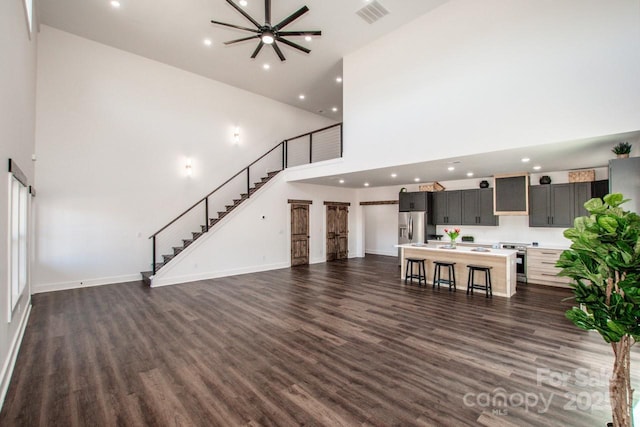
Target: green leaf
[(609, 223), (613, 199), (572, 233), (616, 328), (593, 205)]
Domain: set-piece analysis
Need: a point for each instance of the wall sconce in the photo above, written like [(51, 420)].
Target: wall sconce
[(236, 135), (188, 167)]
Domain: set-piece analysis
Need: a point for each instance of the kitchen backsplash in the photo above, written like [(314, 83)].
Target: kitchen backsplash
[(511, 229)]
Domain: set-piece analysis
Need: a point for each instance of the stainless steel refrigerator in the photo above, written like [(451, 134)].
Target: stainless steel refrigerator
[(624, 177), (414, 227)]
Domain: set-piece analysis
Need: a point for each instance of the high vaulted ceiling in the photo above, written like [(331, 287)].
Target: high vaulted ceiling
[(173, 32)]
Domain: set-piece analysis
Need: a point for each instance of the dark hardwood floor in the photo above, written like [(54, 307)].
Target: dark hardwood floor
[(342, 343)]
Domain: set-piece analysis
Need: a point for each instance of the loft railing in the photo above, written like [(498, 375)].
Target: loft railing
[(318, 145)]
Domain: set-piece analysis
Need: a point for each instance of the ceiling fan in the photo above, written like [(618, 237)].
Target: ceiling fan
[(270, 34)]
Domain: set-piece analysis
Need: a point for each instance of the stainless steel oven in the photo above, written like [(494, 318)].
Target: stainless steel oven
[(521, 259)]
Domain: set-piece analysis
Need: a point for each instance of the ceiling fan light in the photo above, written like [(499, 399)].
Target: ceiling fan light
[(267, 37)]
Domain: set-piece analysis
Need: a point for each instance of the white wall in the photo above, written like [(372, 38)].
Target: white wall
[(17, 122), (479, 76), (247, 242), (381, 224), (381, 228), (112, 135)]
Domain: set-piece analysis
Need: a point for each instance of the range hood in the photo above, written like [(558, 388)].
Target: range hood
[(511, 194)]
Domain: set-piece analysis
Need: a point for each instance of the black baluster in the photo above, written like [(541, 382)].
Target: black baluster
[(153, 264), (206, 214)]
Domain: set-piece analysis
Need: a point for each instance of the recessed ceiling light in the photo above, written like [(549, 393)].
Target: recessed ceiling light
[(243, 3), (341, 181), (451, 168), (115, 4), (416, 179), (308, 38), (393, 175), (301, 96), (334, 109), (469, 173), (266, 66), (366, 184), (339, 79), (525, 159), (207, 42), (537, 168)]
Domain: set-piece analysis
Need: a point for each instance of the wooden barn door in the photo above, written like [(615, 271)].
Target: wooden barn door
[(337, 230), (299, 232)]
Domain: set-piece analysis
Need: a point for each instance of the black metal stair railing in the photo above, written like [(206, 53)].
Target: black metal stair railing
[(299, 150)]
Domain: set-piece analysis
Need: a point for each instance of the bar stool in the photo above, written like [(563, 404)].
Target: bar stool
[(471, 284), (451, 273), (422, 272)]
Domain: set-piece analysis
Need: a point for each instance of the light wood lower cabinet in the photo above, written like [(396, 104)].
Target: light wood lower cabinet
[(541, 267)]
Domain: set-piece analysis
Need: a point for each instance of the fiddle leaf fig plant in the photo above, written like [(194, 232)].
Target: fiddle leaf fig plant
[(604, 262)]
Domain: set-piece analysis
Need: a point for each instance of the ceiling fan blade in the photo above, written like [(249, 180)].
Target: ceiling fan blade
[(258, 49), (243, 13), (291, 18), (235, 26), (241, 40), (292, 44), (267, 12), (299, 33), (278, 51)]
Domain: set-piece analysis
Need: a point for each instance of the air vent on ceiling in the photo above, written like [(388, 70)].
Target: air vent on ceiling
[(372, 12)]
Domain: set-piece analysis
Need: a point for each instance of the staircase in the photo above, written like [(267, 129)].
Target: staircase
[(195, 235), (302, 149)]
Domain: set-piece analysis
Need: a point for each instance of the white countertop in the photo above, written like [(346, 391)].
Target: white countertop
[(560, 246), (460, 249), (549, 246)]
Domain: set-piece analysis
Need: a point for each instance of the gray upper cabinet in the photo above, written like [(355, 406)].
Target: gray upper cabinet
[(539, 206), (470, 207), (485, 211), (582, 192), (477, 207), (600, 188), (440, 207), (552, 205), (448, 207), (562, 205), (404, 201), (413, 201)]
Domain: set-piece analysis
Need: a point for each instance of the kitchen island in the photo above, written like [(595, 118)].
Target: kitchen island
[(503, 261)]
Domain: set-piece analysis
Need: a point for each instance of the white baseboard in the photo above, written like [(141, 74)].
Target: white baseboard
[(166, 281), (61, 286), (381, 252), (12, 355)]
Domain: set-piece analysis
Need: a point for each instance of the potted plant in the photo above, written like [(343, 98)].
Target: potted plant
[(453, 235), (604, 262), (622, 150)]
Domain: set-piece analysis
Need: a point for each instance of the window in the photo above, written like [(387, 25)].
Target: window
[(18, 235), (28, 7)]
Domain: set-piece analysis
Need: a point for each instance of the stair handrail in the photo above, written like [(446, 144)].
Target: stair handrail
[(239, 172), (205, 199), (216, 189), (316, 131)]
